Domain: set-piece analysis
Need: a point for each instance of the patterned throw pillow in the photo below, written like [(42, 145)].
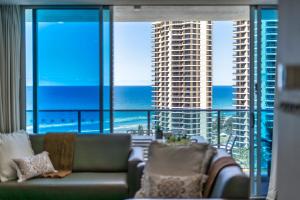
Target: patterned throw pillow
[(160, 186), (33, 166), (176, 171)]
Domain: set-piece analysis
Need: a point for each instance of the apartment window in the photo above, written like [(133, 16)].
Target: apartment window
[(155, 67), (67, 70)]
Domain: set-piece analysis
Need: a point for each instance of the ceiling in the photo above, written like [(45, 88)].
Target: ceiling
[(181, 13), (139, 2)]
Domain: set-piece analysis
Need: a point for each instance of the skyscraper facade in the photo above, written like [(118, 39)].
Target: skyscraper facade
[(182, 75), (242, 81)]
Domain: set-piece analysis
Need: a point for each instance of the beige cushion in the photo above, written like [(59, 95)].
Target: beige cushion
[(12, 145), (160, 186), (176, 171), (179, 159), (33, 166)]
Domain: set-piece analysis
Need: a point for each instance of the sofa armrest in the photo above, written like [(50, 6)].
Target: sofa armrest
[(140, 172), (231, 183), (134, 175)]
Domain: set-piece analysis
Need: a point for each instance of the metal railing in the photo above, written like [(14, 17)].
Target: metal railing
[(146, 117)]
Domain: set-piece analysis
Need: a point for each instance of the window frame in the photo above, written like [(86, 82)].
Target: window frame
[(35, 110)]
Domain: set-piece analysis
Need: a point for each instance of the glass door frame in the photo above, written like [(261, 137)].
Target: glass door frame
[(255, 16), (101, 9)]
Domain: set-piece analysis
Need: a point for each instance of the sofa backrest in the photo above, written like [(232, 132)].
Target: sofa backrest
[(95, 153)]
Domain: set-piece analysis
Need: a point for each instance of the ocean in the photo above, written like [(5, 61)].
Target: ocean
[(53, 100)]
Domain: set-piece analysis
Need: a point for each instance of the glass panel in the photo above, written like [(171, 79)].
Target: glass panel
[(68, 69), (130, 122), (132, 74), (89, 121), (106, 70), (269, 29), (29, 81), (265, 55)]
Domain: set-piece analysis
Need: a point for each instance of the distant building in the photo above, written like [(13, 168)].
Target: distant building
[(241, 74), (182, 75)]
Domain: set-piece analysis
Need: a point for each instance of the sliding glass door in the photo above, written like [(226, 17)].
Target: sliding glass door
[(265, 31), (70, 84)]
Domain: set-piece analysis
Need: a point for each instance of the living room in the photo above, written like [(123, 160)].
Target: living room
[(148, 99)]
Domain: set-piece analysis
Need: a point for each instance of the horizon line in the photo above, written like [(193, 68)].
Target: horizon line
[(104, 85)]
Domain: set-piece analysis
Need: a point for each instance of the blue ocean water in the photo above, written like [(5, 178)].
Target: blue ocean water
[(56, 99)]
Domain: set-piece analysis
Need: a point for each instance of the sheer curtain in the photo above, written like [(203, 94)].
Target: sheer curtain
[(10, 68)]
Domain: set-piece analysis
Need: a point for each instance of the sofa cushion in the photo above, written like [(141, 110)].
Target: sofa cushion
[(96, 153), (80, 185), (101, 153), (177, 160), (37, 143)]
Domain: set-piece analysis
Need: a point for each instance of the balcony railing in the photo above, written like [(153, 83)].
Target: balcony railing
[(214, 124)]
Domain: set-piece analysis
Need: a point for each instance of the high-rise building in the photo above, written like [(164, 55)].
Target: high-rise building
[(242, 81), (242, 76), (182, 75)]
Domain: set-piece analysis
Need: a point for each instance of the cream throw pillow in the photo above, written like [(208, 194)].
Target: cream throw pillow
[(176, 171), (12, 145), (33, 166)]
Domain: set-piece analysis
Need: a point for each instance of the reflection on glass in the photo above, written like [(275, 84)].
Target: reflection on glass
[(269, 29), (29, 82), (68, 69), (106, 70)]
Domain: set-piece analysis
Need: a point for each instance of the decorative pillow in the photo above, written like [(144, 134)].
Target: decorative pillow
[(176, 171), (179, 159), (12, 145), (160, 186), (33, 166)]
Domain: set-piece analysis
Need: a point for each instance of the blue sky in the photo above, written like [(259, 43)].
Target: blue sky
[(69, 53), (132, 53), (222, 53)]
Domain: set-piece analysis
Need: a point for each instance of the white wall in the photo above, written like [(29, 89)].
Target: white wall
[(287, 125)]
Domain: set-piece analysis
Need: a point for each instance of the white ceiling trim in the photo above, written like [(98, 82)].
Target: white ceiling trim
[(140, 2), (181, 13)]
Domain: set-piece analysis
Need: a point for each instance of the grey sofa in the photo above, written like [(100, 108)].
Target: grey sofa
[(231, 182), (104, 168)]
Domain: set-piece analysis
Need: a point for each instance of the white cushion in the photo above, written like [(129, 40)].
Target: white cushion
[(12, 146)]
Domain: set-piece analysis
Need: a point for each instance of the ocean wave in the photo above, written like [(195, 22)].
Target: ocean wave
[(127, 127), (128, 119), (119, 124)]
